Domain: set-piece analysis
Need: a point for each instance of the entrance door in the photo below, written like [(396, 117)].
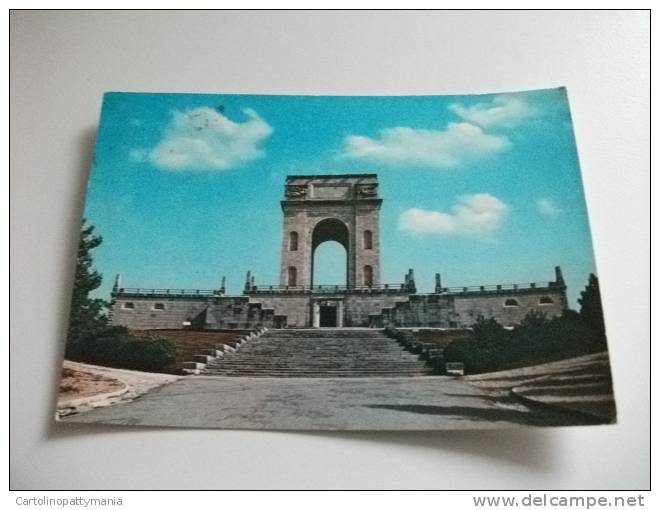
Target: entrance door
[(328, 316)]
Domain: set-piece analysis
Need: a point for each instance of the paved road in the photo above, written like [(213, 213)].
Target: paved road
[(413, 403)]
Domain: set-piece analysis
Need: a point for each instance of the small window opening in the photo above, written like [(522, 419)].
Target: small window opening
[(293, 241)]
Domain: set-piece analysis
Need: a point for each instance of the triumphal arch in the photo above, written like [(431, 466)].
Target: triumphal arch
[(341, 208), (320, 208)]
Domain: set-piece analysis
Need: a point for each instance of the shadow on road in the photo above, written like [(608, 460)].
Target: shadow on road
[(538, 419)]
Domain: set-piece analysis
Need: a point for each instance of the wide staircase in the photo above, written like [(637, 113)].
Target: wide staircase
[(320, 353)]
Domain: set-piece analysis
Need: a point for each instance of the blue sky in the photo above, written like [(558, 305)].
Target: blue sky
[(486, 189)]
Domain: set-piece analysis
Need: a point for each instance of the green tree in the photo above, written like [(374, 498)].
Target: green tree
[(87, 317), (91, 338), (591, 310), (537, 339), (533, 319), (484, 349)]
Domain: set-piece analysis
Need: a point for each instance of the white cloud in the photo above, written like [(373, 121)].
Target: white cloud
[(204, 139), (506, 111), (472, 214), (137, 155), (547, 207), (433, 148)]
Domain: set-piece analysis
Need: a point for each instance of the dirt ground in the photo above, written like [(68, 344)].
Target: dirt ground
[(76, 384), (84, 387)]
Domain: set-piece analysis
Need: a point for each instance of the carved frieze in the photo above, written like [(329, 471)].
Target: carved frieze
[(367, 190), (295, 191)]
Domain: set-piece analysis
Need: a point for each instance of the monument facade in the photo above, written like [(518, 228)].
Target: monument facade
[(345, 209)]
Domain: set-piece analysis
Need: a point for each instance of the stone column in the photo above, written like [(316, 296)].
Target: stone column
[(340, 314), (316, 315)]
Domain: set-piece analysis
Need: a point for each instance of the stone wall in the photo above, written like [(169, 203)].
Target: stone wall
[(236, 313), (508, 308), (459, 310), (177, 312), (144, 312), (361, 309), (295, 307), (373, 308), (421, 310)]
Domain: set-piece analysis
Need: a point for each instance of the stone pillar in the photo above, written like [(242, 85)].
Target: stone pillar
[(559, 282), (316, 314), (438, 283), (411, 281), (340, 314), (117, 284)]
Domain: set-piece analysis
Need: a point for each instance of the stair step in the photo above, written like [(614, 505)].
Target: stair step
[(320, 353)]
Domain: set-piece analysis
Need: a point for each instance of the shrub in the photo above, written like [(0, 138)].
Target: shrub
[(485, 349), (113, 346), (151, 353), (91, 338), (490, 347)]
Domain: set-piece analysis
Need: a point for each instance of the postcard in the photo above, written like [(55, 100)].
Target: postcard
[(336, 263)]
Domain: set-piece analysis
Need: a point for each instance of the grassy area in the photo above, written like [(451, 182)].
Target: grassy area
[(188, 343), (441, 339)]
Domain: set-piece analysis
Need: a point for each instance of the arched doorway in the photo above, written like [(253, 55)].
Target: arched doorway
[(330, 229), (330, 256), (329, 264)]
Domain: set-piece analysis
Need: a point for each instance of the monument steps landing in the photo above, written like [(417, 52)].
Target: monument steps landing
[(323, 352)]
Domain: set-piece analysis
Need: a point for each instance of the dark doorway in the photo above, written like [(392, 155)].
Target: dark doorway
[(328, 317)]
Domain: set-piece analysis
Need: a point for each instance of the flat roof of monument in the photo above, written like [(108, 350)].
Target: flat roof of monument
[(330, 176)]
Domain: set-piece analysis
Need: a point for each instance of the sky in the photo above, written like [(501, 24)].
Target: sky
[(484, 189)]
